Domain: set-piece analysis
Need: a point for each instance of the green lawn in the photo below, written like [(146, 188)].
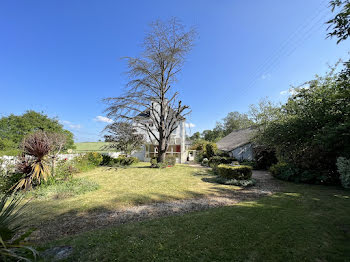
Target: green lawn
[(127, 187), (90, 147), (305, 223)]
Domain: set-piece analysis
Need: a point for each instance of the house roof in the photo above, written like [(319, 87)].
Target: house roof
[(236, 139)]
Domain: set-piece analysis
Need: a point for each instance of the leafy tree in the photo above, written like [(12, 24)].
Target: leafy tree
[(14, 128), (123, 136), (150, 92), (263, 113), (211, 135), (195, 136), (340, 24), (233, 121), (312, 129)]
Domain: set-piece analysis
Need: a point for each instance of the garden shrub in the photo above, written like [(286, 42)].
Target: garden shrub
[(156, 164), (125, 161), (343, 166), (234, 172), (170, 160), (107, 160), (65, 169), (94, 158), (201, 147), (217, 160), (289, 172), (211, 149)]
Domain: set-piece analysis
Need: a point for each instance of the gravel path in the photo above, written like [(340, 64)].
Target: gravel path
[(71, 224)]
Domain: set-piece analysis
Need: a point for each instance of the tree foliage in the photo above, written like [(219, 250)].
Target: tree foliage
[(340, 24), (14, 128), (312, 129), (123, 136), (233, 121), (150, 99)]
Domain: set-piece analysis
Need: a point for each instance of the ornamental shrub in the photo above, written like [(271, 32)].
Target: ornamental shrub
[(170, 160), (94, 158), (107, 160), (211, 149), (217, 160), (343, 166), (156, 164), (289, 172), (234, 172)]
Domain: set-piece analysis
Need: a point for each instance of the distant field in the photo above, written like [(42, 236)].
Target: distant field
[(90, 147)]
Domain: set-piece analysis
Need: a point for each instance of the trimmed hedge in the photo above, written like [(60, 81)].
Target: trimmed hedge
[(217, 160), (234, 172)]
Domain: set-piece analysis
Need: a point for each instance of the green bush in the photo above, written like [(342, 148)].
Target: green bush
[(170, 160), (343, 166), (125, 161), (211, 150), (119, 161), (217, 160), (156, 164), (65, 169), (288, 172), (94, 158), (234, 172), (107, 160)]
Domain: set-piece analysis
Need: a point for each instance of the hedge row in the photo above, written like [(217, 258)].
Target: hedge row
[(234, 172), (217, 160)]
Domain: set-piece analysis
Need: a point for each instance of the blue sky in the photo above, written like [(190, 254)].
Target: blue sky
[(62, 57)]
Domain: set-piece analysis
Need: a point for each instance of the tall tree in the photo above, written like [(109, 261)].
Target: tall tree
[(235, 120), (264, 113), (150, 90)]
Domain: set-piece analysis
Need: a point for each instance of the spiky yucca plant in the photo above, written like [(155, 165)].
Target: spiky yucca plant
[(36, 147), (11, 246)]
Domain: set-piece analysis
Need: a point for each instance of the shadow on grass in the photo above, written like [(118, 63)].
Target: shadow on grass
[(286, 220)]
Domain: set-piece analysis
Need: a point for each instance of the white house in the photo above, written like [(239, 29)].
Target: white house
[(177, 146)]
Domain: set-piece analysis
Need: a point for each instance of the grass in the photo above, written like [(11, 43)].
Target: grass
[(63, 189), (304, 223), (90, 147), (124, 187)]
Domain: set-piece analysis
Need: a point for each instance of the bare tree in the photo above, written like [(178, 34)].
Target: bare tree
[(149, 91)]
